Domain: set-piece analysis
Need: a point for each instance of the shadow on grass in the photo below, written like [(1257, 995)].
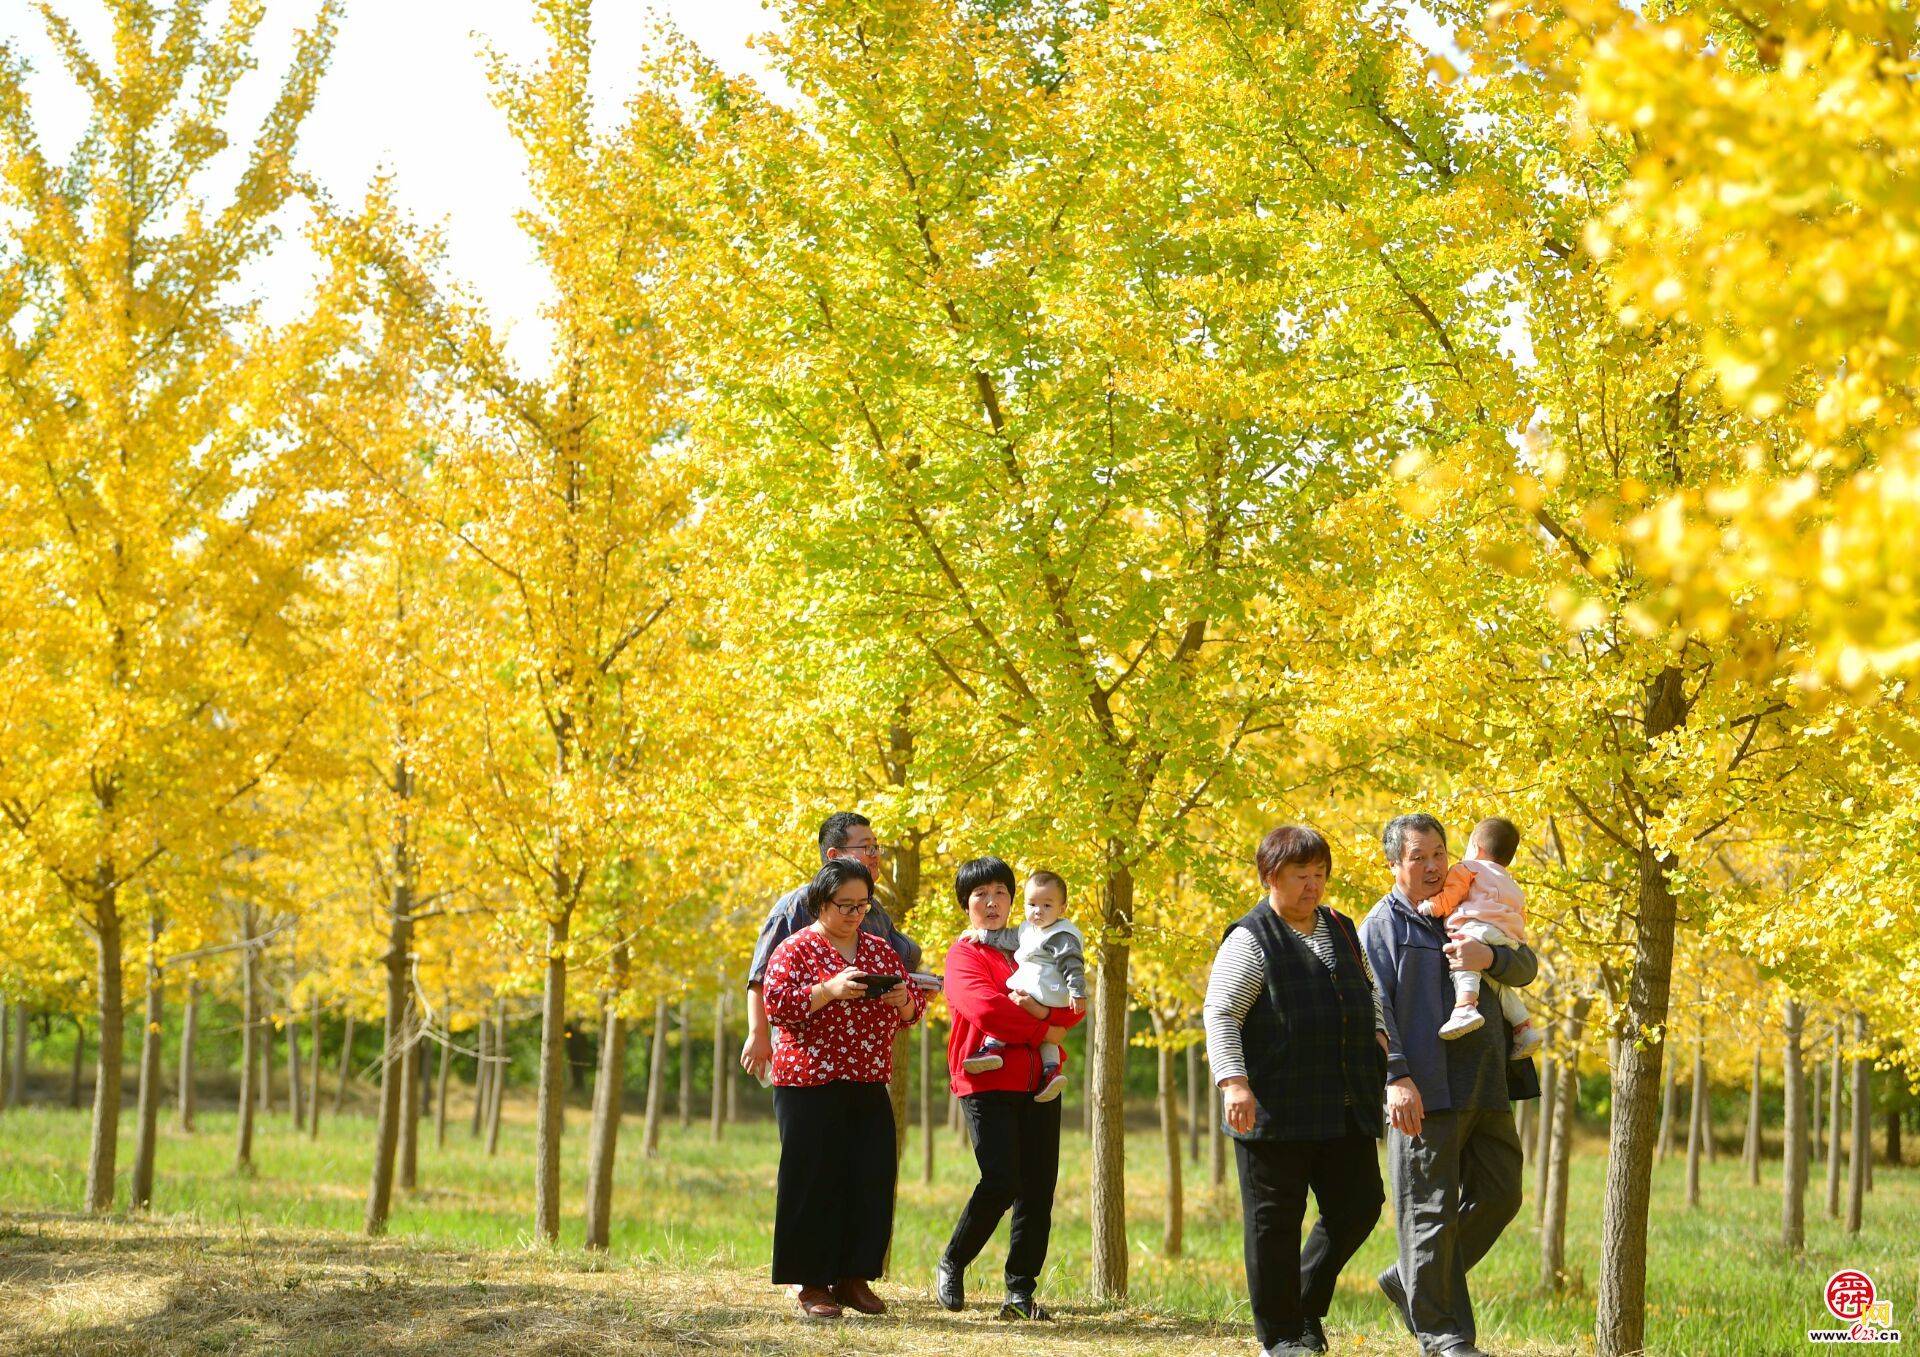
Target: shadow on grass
[(76, 1287)]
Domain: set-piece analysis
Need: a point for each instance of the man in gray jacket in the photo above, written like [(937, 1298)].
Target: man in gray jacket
[(1453, 1154)]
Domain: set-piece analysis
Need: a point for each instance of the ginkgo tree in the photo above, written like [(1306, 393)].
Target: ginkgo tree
[(564, 497), (156, 536)]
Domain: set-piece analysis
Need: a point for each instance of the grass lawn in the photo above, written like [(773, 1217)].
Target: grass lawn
[(273, 1264)]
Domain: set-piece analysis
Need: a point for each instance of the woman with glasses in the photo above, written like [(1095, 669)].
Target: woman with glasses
[(835, 995)]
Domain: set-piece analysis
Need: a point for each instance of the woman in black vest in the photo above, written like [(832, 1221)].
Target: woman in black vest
[(1299, 1050)]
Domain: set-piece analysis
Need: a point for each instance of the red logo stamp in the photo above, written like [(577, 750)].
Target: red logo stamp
[(1849, 1294)]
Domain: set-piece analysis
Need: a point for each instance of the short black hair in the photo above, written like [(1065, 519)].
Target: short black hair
[(1043, 877), (1499, 836), (974, 873), (1291, 846), (836, 829), (1394, 839), (831, 877)]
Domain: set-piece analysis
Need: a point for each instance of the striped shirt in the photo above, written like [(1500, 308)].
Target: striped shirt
[(1239, 975)]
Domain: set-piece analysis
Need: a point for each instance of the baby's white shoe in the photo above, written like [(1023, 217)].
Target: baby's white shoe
[(1527, 1039), (1465, 1019)]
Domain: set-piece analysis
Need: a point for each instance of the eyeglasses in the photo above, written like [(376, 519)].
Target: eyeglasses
[(857, 907)]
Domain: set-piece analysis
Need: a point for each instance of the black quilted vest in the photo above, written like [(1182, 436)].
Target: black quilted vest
[(1313, 1063)]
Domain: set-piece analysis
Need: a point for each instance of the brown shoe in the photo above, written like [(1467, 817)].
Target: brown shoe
[(855, 1294), (816, 1302)]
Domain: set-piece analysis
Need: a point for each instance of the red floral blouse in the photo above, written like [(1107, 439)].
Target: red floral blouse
[(849, 1039)]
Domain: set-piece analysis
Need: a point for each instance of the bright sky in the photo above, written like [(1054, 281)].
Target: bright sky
[(408, 93)]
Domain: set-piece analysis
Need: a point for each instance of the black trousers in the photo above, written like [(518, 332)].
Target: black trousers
[(1016, 1142), (834, 1212), (1285, 1283)]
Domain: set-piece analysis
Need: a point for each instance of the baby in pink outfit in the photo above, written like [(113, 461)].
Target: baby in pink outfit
[(1480, 901)]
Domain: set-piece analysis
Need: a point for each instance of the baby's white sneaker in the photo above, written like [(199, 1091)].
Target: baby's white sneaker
[(1465, 1019), (1527, 1039)]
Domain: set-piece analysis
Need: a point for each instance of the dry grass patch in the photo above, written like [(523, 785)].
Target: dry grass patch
[(72, 1287)]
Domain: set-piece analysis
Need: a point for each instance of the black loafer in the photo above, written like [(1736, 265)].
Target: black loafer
[(1024, 1307), (948, 1288), (1313, 1334), (1389, 1284)]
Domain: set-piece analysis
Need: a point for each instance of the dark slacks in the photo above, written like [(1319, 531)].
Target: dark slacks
[(1456, 1185), (834, 1211), (1016, 1142), (1286, 1283)]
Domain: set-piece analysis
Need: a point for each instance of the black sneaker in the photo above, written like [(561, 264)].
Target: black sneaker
[(948, 1288), (1024, 1307), (1313, 1334), (1286, 1347)]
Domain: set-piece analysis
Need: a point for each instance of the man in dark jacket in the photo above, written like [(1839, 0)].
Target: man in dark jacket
[(843, 834), (1453, 1153)]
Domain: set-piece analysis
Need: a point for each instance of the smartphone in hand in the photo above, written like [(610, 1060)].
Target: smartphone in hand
[(879, 984)]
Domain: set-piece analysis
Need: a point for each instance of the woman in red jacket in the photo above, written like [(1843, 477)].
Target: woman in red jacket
[(836, 996), (1016, 1140)]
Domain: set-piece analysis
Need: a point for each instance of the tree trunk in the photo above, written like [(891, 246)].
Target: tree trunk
[(296, 1069), (686, 1062), (6, 1054), (1173, 1229), (440, 1082), (1793, 1165), (1216, 1143), (656, 1078), (902, 871), (1833, 1128), (552, 1110), (1543, 1138), (18, 1074), (346, 1066), (1193, 1102), (483, 1041), (1559, 1160), (249, 1039), (313, 1069), (1753, 1122), (1696, 1124), (393, 1044), (1861, 1151), (105, 1147), (497, 1078), (265, 1046), (608, 1087), (926, 1100), (76, 1081), (1817, 1105), (732, 1074), (1666, 1111), (189, 1034), (407, 1174), (1708, 1144), (1621, 1312), (1107, 1088), (144, 1149), (1894, 1152), (718, 1110)]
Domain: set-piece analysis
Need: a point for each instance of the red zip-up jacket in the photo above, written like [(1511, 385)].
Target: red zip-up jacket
[(976, 988)]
